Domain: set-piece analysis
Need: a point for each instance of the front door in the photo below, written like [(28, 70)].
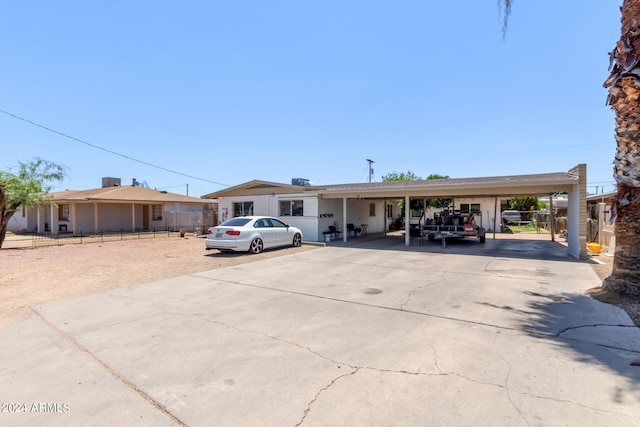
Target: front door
[(145, 217)]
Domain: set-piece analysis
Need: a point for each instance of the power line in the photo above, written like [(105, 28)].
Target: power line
[(110, 151)]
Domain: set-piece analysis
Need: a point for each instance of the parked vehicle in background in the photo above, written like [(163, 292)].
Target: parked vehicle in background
[(511, 217), (253, 234)]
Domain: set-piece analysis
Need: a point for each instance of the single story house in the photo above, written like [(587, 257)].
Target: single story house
[(372, 207), (115, 207)]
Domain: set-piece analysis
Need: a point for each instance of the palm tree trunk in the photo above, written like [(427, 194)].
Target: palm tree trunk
[(624, 99)]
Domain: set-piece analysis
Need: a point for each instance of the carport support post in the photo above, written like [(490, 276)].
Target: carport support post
[(385, 227), (552, 219), (344, 219), (495, 218), (407, 226)]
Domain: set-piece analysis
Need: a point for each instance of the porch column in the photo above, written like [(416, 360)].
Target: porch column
[(96, 225), (133, 216), (344, 219), (407, 225), (72, 212), (53, 227), (40, 220)]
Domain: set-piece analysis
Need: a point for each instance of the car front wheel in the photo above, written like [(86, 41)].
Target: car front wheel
[(256, 246), (297, 240)]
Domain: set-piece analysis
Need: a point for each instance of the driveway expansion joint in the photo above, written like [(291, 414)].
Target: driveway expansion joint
[(160, 407)]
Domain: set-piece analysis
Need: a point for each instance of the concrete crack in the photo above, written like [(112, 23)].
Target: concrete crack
[(264, 334), (506, 381), (595, 325), (306, 411), (410, 295)]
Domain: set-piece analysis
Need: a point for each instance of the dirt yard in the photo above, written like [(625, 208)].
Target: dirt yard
[(36, 276), (30, 277)]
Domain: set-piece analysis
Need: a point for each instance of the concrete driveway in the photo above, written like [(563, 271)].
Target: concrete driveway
[(369, 334)]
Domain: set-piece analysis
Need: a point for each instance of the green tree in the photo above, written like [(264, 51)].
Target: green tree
[(395, 176), (26, 188), (417, 204), (437, 176), (524, 203), (438, 203), (624, 98)]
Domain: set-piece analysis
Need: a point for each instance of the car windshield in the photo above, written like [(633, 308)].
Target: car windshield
[(235, 222)]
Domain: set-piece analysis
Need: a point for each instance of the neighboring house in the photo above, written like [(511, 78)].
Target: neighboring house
[(559, 202), (601, 221), (114, 207), (374, 206)]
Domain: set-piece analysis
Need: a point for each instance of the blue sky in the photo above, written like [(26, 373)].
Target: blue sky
[(209, 94)]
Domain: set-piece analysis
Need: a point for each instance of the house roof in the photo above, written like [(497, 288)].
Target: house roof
[(598, 198), (257, 187), (514, 185), (122, 194)]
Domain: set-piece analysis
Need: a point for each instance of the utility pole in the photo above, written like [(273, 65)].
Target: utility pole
[(370, 170)]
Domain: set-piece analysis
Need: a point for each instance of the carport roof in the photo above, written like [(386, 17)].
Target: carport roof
[(513, 185)]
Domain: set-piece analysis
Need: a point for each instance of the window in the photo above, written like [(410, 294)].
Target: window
[(389, 211), (291, 208), (243, 208), (157, 213), (277, 223), (372, 209), (470, 208), (63, 212)]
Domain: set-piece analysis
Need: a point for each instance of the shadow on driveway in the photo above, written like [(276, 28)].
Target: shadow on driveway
[(597, 337)]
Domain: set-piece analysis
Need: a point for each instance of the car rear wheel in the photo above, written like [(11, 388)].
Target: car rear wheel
[(297, 240), (256, 246)]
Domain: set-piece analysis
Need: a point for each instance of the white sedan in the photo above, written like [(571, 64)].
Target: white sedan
[(253, 234)]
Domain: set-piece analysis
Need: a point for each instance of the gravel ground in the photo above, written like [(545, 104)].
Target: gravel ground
[(32, 277)]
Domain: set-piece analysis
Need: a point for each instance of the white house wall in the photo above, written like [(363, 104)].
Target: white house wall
[(84, 218), (114, 216), (19, 221), (308, 223), (269, 205), (358, 214)]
